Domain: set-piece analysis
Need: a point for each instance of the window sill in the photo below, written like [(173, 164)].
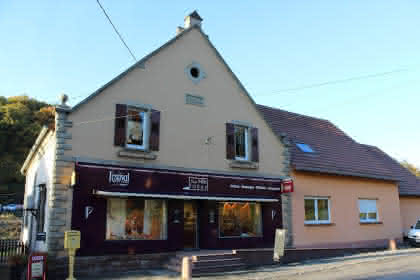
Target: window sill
[(243, 164), (138, 154), (371, 223), (319, 224)]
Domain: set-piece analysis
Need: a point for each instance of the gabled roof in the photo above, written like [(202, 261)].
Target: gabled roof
[(409, 184), (32, 152), (141, 64), (334, 151), (138, 64)]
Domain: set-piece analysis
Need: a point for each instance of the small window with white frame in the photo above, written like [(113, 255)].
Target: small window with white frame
[(368, 212), (241, 142), (137, 129), (317, 210)]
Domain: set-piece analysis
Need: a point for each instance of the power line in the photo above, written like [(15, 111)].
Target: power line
[(115, 29), (340, 81), (292, 118), (356, 78)]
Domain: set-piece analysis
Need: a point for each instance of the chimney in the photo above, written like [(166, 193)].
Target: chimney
[(192, 20)]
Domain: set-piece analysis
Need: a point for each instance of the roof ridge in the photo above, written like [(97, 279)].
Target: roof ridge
[(139, 63), (289, 112)]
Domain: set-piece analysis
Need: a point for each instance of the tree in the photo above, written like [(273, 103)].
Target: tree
[(21, 119), (413, 169)]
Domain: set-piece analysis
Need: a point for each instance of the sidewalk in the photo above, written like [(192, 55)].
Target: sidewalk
[(267, 272)]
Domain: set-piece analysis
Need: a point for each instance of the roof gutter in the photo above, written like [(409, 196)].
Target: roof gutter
[(34, 149), (346, 173)]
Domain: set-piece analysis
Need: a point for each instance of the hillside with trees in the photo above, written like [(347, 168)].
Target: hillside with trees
[(21, 119), (413, 169)]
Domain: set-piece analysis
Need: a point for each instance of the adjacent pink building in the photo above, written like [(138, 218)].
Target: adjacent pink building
[(347, 195)]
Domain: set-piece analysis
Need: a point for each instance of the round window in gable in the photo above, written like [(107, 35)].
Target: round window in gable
[(195, 73)]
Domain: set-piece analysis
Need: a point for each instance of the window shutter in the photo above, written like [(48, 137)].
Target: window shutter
[(230, 141), (120, 123), (254, 145), (154, 130)]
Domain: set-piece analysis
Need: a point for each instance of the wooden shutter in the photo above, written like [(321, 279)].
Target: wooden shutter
[(254, 144), (120, 124), (154, 130), (230, 141)]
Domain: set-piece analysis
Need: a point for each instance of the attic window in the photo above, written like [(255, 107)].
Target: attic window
[(195, 72), (305, 148)]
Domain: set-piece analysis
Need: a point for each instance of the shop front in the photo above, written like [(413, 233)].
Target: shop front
[(122, 210)]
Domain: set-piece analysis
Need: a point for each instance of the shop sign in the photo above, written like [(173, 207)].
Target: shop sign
[(287, 186), (41, 236), (259, 188), (119, 178), (37, 266), (199, 184)]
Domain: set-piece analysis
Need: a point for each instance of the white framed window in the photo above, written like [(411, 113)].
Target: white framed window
[(368, 211), (317, 210), (241, 142), (137, 136)]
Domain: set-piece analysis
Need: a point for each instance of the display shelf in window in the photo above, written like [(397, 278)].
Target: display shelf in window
[(240, 219)]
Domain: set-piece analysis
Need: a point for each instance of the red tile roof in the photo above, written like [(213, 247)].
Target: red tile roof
[(409, 184), (335, 151)]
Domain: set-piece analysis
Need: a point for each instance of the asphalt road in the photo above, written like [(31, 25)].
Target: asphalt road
[(403, 264)]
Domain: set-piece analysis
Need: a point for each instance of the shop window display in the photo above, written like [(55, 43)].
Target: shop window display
[(136, 219), (237, 219)]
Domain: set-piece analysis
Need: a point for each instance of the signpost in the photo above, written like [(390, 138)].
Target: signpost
[(37, 266), (71, 243)]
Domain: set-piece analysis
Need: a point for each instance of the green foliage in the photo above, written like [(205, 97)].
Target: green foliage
[(21, 119), (413, 169)]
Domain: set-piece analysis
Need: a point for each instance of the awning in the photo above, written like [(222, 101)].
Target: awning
[(184, 197)]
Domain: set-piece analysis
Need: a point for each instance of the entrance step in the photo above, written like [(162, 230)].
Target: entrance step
[(207, 262)]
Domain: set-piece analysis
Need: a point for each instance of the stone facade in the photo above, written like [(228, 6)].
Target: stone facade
[(286, 198), (60, 198), (101, 265)]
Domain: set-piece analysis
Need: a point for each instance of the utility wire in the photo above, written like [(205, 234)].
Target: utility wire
[(340, 81), (118, 33), (291, 118), (356, 78)]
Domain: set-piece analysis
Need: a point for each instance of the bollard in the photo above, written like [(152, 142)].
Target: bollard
[(392, 245), (186, 272)]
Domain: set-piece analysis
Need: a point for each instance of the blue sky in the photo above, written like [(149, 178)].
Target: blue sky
[(50, 47)]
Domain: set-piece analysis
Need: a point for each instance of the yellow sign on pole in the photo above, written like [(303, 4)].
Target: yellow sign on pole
[(71, 243), (72, 239)]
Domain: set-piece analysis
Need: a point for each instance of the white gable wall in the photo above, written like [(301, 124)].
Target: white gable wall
[(39, 172)]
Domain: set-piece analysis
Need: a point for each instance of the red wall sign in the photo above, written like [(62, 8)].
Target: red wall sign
[(37, 266), (287, 186)]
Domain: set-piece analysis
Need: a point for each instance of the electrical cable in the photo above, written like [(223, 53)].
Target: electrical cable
[(116, 30)]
